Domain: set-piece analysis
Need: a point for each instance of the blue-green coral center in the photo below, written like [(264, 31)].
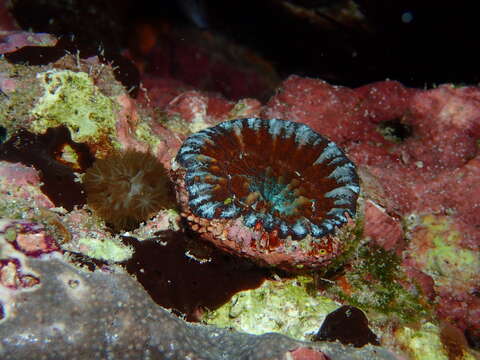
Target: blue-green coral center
[(276, 196)]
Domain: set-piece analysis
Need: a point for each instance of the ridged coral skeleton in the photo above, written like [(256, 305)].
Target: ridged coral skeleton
[(291, 189)]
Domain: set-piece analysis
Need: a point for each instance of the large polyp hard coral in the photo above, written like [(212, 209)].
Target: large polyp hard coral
[(274, 191)]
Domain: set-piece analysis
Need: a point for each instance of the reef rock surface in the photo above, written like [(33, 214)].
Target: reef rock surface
[(64, 288)]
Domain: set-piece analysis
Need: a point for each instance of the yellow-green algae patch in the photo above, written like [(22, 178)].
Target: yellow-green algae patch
[(243, 108), (198, 122), (375, 283), (175, 123), (144, 133), (72, 99), (105, 249), (285, 307), (425, 343), (444, 257)]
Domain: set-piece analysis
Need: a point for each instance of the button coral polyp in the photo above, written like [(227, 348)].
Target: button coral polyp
[(274, 191)]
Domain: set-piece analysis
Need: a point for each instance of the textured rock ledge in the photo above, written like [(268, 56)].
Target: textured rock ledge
[(78, 314)]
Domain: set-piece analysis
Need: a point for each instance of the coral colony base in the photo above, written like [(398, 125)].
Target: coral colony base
[(274, 191)]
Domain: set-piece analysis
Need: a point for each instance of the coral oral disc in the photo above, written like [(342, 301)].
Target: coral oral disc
[(272, 181)]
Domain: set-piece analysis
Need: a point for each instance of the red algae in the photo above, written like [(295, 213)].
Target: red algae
[(417, 153), (305, 353), (419, 173), (383, 229)]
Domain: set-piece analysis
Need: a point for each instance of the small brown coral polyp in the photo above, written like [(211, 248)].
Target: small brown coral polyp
[(127, 188), (274, 191)]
